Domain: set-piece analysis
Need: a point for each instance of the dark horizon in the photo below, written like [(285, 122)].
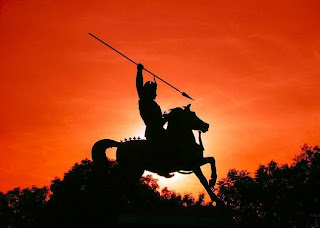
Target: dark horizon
[(276, 196)]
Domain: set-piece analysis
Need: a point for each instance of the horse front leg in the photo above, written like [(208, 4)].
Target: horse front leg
[(212, 162), (197, 171)]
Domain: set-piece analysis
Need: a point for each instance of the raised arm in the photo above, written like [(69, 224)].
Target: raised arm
[(139, 80)]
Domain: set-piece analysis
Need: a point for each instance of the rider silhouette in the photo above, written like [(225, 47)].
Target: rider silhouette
[(151, 114), (150, 111)]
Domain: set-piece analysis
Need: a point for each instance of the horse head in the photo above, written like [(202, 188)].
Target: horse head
[(184, 118)]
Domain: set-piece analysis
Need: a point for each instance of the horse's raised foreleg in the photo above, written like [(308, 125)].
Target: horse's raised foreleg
[(197, 171), (212, 162)]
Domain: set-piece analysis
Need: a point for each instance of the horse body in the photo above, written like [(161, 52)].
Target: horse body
[(183, 153)]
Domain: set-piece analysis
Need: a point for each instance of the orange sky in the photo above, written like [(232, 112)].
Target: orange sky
[(252, 67)]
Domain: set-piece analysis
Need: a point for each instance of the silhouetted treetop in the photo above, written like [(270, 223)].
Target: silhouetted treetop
[(277, 195), (274, 196)]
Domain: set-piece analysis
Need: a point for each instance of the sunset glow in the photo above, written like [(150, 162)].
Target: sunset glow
[(251, 66)]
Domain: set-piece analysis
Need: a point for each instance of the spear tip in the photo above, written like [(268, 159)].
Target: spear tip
[(186, 95)]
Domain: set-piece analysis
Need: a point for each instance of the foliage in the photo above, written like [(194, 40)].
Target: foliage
[(22, 208), (277, 195), (71, 201)]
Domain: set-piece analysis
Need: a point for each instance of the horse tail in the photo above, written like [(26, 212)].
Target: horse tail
[(98, 154)]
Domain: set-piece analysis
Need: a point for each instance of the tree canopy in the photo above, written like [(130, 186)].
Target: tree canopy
[(274, 196)]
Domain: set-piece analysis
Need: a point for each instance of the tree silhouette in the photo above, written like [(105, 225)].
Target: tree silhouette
[(75, 201), (277, 195), (23, 208)]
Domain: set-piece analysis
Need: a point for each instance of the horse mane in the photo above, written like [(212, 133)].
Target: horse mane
[(174, 113), (174, 116)]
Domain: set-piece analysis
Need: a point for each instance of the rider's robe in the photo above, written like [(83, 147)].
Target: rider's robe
[(151, 114)]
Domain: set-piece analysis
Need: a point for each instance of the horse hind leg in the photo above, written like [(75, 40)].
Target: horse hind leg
[(130, 176)]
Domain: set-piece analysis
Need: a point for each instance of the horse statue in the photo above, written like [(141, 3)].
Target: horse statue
[(180, 153)]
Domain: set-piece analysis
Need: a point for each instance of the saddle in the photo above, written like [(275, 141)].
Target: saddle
[(172, 157)]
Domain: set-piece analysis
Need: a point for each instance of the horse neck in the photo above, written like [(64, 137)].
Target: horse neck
[(179, 133)]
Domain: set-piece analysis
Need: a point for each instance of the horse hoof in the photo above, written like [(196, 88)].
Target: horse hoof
[(212, 182)]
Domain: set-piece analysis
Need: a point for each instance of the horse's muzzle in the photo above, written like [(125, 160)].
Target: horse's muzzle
[(205, 128)]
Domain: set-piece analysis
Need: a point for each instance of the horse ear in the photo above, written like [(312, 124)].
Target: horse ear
[(187, 107)]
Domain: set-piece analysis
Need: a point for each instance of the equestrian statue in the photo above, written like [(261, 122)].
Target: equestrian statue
[(164, 151)]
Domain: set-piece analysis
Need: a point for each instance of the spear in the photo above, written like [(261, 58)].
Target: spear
[(183, 93)]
